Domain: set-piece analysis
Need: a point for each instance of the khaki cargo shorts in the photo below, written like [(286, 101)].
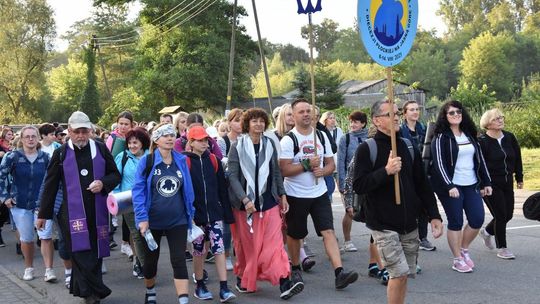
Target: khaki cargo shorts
[(398, 251)]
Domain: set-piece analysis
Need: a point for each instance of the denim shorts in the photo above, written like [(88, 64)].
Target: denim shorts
[(47, 232), (25, 219)]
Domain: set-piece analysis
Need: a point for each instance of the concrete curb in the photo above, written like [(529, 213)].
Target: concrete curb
[(39, 298)]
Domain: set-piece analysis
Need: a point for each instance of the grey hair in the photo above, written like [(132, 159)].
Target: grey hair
[(376, 108)]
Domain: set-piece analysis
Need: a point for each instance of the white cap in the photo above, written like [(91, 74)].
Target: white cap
[(79, 120), (212, 132)]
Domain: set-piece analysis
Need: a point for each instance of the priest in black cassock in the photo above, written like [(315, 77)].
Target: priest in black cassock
[(87, 173)]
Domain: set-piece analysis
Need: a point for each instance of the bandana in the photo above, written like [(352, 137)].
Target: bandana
[(162, 131)]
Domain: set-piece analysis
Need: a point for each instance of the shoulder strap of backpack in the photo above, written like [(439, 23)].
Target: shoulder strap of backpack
[(125, 158), (372, 145), (188, 161), (296, 148), (227, 144), (213, 158), (409, 147), (321, 138), (149, 164), (347, 142)]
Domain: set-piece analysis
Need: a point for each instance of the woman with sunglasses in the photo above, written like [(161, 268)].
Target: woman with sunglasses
[(460, 179), (503, 159)]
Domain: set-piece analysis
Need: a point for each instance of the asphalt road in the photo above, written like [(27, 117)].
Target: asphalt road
[(493, 281)]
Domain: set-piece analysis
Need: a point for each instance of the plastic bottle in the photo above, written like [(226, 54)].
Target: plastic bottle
[(152, 245)]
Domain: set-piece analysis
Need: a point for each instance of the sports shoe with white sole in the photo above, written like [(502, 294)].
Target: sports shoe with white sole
[(50, 276), (28, 274), (488, 239)]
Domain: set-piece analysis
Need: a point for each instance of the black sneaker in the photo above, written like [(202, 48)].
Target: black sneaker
[(209, 257), (384, 276), (137, 270), (112, 244), (307, 264), (189, 256), (373, 270), (289, 289), (343, 279), (239, 287), (150, 298), (296, 276)]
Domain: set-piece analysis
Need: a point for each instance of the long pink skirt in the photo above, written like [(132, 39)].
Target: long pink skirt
[(259, 255)]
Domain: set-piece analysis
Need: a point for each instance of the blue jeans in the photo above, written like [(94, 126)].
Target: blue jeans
[(330, 185)]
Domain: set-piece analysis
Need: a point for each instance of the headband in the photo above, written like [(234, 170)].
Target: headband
[(162, 131)]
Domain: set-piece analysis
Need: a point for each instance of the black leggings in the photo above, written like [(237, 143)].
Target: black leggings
[(501, 206), (177, 238), (125, 231)]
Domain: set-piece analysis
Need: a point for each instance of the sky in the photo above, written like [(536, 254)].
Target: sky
[(278, 20)]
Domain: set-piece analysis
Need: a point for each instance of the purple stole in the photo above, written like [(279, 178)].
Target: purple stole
[(78, 227)]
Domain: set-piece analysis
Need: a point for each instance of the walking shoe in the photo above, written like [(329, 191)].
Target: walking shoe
[(308, 251), (467, 257), (93, 299), (373, 270), (383, 276), (209, 257), (112, 244), (126, 249), (114, 221), (225, 295), (343, 279), (228, 264), (418, 269), (348, 246), (239, 287), (28, 274), (289, 289), (189, 256), (103, 268), (50, 276), (150, 298), (202, 293), (459, 265), (307, 264), (506, 254), (488, 239), (67, 281), (137, 270), (426, 245), (205, 277)]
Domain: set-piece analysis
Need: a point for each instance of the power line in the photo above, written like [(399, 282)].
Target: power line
[(159, 25), (208, 3)]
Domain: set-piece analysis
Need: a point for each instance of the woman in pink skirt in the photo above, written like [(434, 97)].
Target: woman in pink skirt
[(258, 199)]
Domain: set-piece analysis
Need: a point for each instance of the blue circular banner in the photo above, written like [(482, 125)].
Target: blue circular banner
[(387, 28)]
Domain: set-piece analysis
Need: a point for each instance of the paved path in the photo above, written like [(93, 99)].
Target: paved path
[(493, 281)]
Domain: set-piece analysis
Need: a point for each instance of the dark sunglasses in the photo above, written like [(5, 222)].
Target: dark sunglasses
[(454, 113)]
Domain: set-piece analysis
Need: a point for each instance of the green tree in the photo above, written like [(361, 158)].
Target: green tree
[(126, 99), (325, 36), (66, 83), (477, 100), (90, 99), (327, 83), (487, 60), (25, 39), (502, 18), (349, 48), (281, 78)]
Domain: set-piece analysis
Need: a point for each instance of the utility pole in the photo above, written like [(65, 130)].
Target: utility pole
[(95, 45), (231, 61), (261, 51)]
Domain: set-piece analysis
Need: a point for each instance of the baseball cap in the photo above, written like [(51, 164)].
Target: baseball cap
[(197, 133), (79, 120)]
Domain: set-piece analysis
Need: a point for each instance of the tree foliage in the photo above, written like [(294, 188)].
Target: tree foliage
[(326, 87), (472, 97), (26, 36), (90, 99), (66, 84), (325, 36)]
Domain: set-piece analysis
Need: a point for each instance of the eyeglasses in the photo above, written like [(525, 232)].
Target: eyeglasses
[(499, 118), (28, 137), (81, 131), (398, 114), (454, 113)]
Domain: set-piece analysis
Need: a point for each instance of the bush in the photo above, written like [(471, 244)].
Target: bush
[(522, 120)]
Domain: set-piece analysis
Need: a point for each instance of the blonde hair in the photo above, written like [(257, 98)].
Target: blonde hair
[(281, 126), (488, 116), (177, 119), (325, 116)]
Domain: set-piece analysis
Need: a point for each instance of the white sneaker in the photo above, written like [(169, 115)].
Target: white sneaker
[(488, 239), (50, 276), (126, 249), (28, 274), (349, 247), (114, 221), (103, 268), (229, 264)]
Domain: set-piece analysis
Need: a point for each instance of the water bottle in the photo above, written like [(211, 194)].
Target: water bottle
[(152, 245)]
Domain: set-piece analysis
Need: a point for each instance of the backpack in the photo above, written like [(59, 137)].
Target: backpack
[(125, 158), (213, 158), (426, 151), (227, 145), (296, 148), (150, 163)]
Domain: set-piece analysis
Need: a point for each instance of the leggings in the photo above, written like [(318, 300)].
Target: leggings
[(501, 206), (177, 238), (469, 200), (125, 231)]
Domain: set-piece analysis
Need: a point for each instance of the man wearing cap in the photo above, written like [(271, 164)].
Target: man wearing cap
[(88, 173)]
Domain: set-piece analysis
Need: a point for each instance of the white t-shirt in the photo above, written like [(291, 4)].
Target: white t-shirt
[(48, 149), (464, 174), (303, 184)]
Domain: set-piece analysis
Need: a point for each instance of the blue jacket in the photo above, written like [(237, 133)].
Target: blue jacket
[(444, 151), (129, 170), (210, 187), (346, 153), (418, 141), (141, 192), (26, 178)]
